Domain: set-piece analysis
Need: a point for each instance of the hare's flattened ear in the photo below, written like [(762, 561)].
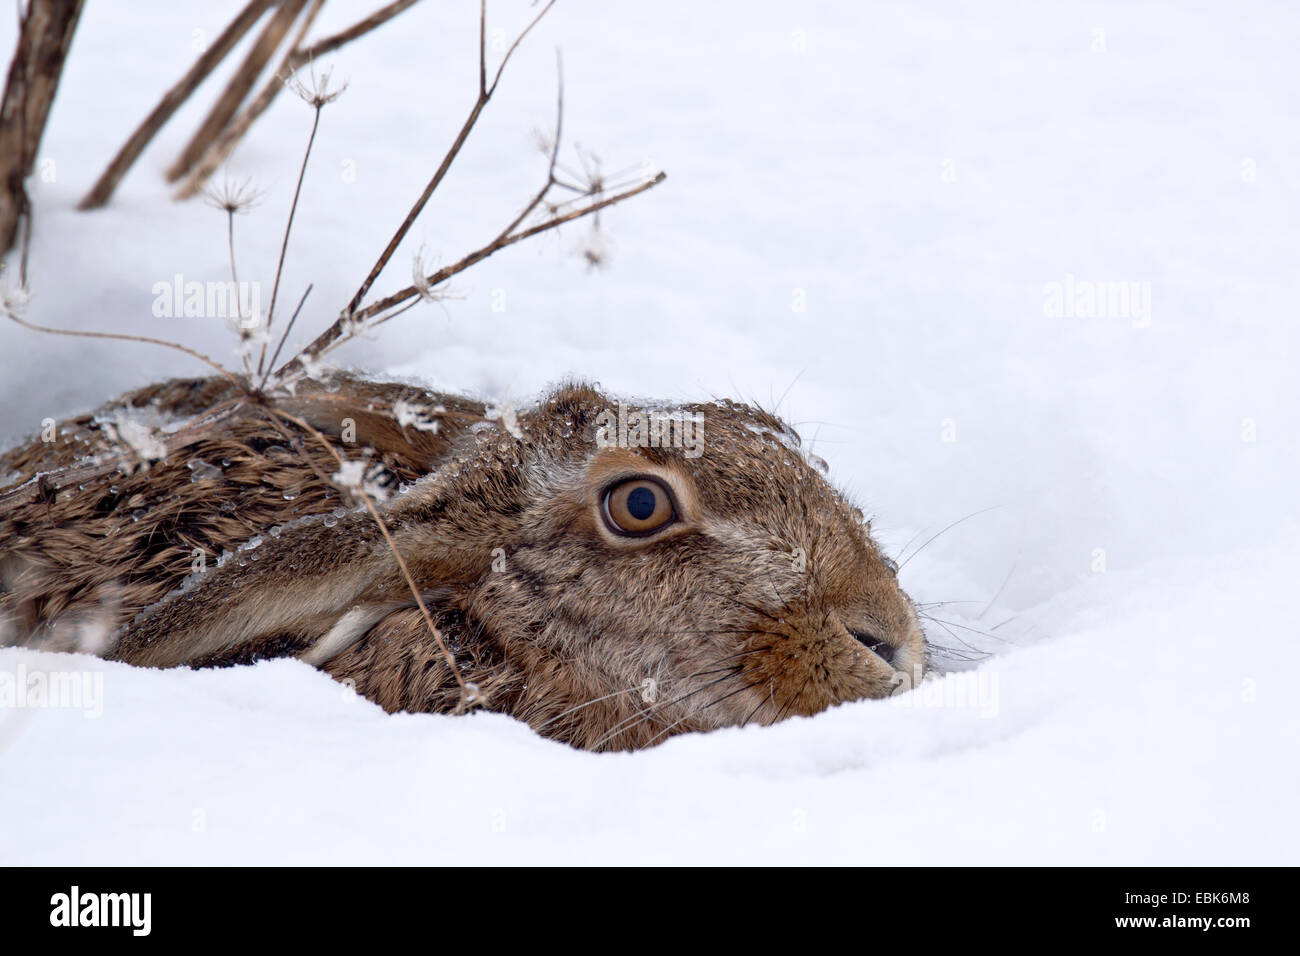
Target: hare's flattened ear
[(411, 429), (310, 582)]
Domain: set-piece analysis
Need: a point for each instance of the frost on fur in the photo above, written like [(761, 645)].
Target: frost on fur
[(505, 415)]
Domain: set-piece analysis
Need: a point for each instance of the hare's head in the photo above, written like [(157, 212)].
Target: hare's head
[(686, 567)]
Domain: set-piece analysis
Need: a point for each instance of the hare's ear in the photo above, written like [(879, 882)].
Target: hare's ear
[(314, 589), (408, 428)]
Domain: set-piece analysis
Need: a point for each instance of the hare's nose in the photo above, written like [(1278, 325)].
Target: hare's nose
[(877, 645)]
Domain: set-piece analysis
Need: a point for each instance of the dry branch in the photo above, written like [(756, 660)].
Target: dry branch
[(484, 95), (221, 148), (345, 325), (355, 317), (329, 44), (44, 36), (297, 57), (103, 189), (236, 90), (123, 337)]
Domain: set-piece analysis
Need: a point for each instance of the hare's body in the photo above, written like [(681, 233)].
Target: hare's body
[(609, 593)]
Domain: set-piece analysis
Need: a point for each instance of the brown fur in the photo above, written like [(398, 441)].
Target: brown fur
[(601, 641)]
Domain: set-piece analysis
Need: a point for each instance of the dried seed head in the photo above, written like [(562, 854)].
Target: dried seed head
[(233, 197), (315, 91)]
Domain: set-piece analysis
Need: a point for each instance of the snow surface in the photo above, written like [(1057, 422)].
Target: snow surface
[(916, 175)]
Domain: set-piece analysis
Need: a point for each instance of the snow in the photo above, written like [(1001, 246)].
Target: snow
[(868, 211)]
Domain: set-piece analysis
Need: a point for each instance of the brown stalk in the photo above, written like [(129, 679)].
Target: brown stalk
[(329, 44), (103, 189), (288, 227), (297, 57), (267, 42), (485, 92), (123, 337), (221, 148), (345, 323), (45, 33), (350, 318)]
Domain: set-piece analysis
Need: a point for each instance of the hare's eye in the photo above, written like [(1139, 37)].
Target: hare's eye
[(638, 506)]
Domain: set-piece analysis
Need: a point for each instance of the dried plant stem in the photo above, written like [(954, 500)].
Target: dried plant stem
[(122, 337), (354, 315), (237, 89), (329, 44), (45, 30), (485, 92), (103, 189), (288, 229), (551, 181), (234, 272), (221, 148), (345, 322), (283, 337)]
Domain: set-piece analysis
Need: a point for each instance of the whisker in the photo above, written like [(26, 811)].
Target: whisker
[(630, 722), (974, 514), (758, 706), (993, 600), (984, 654), (749, 607), (903, 550), (785, 605), (730, 695), (595, 700), (967, 627), (786, 706), (935, 651), (638, 687), (651, 742)]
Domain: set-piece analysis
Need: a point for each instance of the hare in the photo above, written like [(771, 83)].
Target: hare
[(610, 577)]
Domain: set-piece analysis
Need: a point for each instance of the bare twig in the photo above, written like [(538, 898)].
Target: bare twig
[(501, 68), (354, 316), (221, 148), (484, 95), (298, 57), (267, 42), (44, 37), (283, 336), (122, 337), (551, 181), (319, 104), (233, 199), (346, 321), (331, 43), (103, 189)]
